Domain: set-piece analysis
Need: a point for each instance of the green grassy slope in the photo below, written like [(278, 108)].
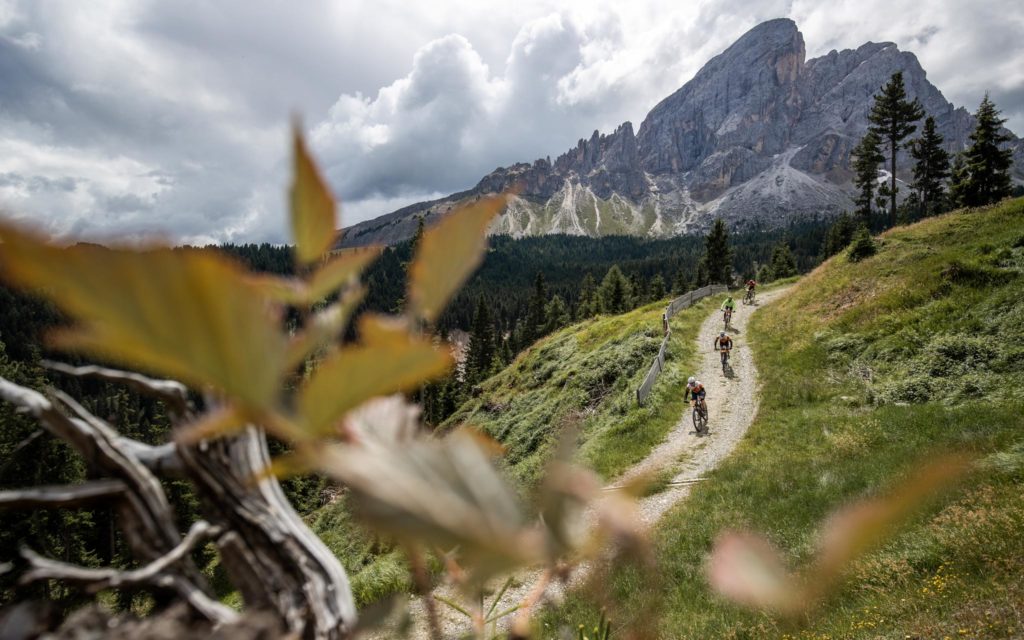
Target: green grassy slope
[(866, 369), (585, 376)]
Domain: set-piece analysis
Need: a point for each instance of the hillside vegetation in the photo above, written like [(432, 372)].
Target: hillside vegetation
[(867, 369), (583, 377)]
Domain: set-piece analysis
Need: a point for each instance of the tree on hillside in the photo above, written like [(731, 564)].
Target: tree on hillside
[(680, 284), (783, 262), (985, 177), (482, 345), (839, 235), (866, 158), (863, 245), (718, 254), (892, 117), (959, 181), (557, 314), (535, 319), (657, 291), (614, 293), (764, 274), (638, 289), (931, 168), (587, 306)]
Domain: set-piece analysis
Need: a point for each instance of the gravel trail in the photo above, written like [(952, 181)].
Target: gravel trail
[(732, 398)]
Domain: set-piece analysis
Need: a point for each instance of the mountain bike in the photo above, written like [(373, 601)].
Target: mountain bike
[(727, 317), (700, 416), (725, 358), (748, 297)]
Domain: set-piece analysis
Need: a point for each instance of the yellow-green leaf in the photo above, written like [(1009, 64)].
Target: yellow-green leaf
[(335, 274), (342, 269), (182, 313), (314, 220), (448, 254), (324, 327), (388, 361)]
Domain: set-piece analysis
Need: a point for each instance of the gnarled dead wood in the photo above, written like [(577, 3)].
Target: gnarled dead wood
[(173, 393), (155, 573), (269, 553), (145, 514), (68, 495)]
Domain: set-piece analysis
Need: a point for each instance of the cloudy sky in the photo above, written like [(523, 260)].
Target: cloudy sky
[(135, 117)]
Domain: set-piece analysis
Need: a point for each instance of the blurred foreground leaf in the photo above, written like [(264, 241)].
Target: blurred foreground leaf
[(185, 313), (437, 491), (387, 360), (448, 254), (314, 219), (749, 570)]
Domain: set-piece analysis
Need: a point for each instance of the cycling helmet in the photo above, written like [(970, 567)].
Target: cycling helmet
[(721, 335), (691, 380)]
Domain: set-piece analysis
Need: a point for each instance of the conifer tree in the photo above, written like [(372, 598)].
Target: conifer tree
[(587, 306), (892, 117), (931, 168), (680, 284), (718, 254), (657, 291), (839, 235), (764, 274), (783, 262), (535, 319), (638, 291), (614, 292), (481, 351), (959, 181), (557, 314), (866, 158), (987, 163)]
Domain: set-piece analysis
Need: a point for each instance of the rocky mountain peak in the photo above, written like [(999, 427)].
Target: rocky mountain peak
[(759, 136)]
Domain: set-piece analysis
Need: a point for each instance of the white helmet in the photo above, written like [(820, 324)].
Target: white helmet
[(691, 380), (721, 335)]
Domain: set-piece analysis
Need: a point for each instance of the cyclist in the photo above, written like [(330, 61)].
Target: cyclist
[(751, 285), (723, 344), (727, 308), (695, 391)]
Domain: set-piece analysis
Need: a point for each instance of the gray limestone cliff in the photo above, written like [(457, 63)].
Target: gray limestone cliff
[(759, 136)]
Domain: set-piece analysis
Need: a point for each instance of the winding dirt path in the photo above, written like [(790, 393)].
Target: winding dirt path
[(732, 397)]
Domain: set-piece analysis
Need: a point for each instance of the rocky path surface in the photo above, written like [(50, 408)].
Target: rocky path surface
[(732, 397)]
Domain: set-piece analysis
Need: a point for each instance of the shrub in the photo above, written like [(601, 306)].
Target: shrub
[(863, 246), (975, 275), (956, 354)]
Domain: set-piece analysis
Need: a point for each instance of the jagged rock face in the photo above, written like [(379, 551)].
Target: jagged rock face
[(758, 137)]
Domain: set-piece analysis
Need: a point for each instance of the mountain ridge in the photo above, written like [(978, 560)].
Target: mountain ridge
[(759, 136)]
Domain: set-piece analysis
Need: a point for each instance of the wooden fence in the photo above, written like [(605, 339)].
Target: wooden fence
[(674, 307)]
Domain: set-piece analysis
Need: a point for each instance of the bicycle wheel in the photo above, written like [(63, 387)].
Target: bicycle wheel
[(703, 418)]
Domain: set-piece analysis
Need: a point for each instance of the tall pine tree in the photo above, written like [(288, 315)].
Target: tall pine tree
[(657, 291), (587, 305), (783, 262), (892, 118), (718, 254), (988, 164), (535, 319), (482, 344), (866, 158), (614, 292), (931, 168)]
